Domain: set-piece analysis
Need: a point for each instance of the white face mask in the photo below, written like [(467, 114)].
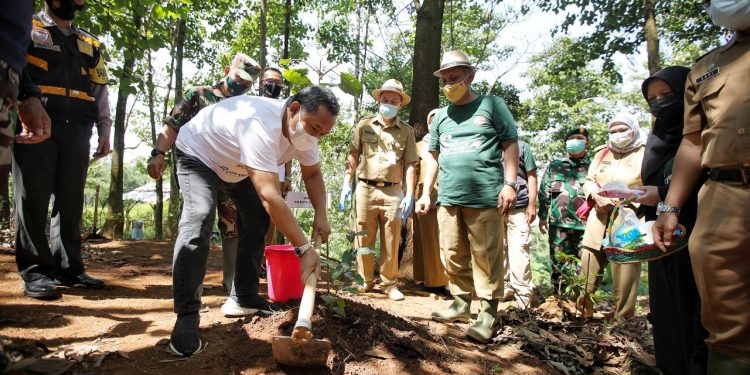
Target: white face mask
[(622, 139), (731, 14), (299, 138)]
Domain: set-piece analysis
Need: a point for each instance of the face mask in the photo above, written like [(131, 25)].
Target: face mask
[(271, 90), (621, 139), (730, 14), (455, 92), (575, 146), (66, 10), (388, 111), (299, 138), (664, 107), (235, 88)]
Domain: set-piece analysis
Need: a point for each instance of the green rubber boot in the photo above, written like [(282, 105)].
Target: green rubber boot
[(458, 311), (481, 329)]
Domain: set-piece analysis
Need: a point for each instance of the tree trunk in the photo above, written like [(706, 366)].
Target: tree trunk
[(652, 36), (174, 189), (427, 42), (263, 36), (159, 207), (287, 31), (114, 226)]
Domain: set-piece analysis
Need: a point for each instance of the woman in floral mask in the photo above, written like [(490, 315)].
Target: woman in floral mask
[(618, 161)]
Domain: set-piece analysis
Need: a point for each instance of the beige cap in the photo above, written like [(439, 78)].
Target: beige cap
[(452, 59), (394, 86)]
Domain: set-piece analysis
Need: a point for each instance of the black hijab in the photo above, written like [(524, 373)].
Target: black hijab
[(666, 134)]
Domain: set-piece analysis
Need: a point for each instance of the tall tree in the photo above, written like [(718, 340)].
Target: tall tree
[(263, 33), (427, 42), (174, 189)]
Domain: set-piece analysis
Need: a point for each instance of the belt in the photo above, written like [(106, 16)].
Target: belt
[(739, 175), (379, 183)]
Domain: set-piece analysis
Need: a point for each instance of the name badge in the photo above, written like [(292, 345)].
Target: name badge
[(712, 72)]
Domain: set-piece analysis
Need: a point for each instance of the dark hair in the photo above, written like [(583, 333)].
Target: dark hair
[(271, 68), (312, 97)]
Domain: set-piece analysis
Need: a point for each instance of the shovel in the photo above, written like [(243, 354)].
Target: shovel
[(301, 348)]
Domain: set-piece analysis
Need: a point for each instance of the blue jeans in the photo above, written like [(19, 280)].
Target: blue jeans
[(200, 186)]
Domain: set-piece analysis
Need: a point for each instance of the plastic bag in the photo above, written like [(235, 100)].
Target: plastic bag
[(617, 189)]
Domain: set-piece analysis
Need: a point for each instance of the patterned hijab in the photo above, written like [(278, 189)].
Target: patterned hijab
[(639, 136)]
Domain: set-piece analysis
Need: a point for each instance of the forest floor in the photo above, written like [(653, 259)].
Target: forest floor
[(124, 329)]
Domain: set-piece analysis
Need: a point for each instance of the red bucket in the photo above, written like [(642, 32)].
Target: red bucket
[(283, 273)]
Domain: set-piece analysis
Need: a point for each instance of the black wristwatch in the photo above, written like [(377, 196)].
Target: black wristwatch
[(300, 250), (155, 151)]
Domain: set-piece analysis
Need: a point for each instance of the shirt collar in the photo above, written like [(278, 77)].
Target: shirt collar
[(377, 120)]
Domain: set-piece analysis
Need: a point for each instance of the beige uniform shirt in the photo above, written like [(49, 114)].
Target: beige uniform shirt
[(384, 150), (625, 168), (717, 103)]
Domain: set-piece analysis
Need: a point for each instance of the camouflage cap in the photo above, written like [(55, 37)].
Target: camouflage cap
[(246, 67), (579, 130)]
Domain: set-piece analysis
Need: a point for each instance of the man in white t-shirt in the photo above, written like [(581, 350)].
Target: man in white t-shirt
[(236, 146)]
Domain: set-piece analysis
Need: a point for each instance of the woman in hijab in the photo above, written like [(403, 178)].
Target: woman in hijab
[(618, 161), (675, 304)]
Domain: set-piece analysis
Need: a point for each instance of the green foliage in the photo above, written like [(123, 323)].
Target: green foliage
[(474, 26), (618, 28), (336, 304), (350, 84), (296, 78)]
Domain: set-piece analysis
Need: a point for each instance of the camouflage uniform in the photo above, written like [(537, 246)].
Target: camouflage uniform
[(9, 81), (195, 99), (560, 195)]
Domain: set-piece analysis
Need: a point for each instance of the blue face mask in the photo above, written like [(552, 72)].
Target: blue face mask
[(575, 146), (388, 111), (235, 88)]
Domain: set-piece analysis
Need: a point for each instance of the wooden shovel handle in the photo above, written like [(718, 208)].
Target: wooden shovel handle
[(307, 304)]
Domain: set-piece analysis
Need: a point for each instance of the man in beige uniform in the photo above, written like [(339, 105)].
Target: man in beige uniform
[(717, 138), (383, 149)]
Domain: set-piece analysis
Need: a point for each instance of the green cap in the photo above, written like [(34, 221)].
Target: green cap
[(247, 68), (579, 130)]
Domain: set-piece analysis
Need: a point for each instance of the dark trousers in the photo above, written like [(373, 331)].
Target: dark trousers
[(199, 186), (58, 167), (676, 316)]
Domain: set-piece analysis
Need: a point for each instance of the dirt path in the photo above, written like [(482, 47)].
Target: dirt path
[(123, 329)]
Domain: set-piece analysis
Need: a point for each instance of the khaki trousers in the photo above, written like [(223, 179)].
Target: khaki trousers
[(517, 260), (625, 277), (428, 266), (720, 253), (377, 208), (471, 243)]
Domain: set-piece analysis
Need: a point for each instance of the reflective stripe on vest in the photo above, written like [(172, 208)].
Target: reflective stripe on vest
[(54, 90)]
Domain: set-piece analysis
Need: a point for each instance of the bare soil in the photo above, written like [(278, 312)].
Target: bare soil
[(124, 328)]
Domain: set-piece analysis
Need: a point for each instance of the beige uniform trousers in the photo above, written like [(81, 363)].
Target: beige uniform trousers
[(625, 277), (471, 243), (377, 209), (428, 265), (517, 259), (720, 252)]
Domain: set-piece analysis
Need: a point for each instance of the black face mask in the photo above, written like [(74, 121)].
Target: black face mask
[(271, 90), (664, 107), (66, 10)]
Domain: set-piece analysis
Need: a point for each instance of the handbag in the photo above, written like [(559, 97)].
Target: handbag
[(583, 210)]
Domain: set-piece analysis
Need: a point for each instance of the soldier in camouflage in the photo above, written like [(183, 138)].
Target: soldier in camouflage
[(560, 195), (239, 78)]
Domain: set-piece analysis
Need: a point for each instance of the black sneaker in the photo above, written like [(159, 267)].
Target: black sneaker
[(82, 280), (41, 287), (185, 340)]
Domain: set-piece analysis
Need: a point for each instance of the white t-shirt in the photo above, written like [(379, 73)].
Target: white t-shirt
[(238, 132)]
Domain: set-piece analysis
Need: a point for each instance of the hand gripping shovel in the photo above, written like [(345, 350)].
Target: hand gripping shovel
[(302, 349)]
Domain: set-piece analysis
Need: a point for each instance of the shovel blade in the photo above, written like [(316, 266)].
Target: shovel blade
[(300, 354)]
